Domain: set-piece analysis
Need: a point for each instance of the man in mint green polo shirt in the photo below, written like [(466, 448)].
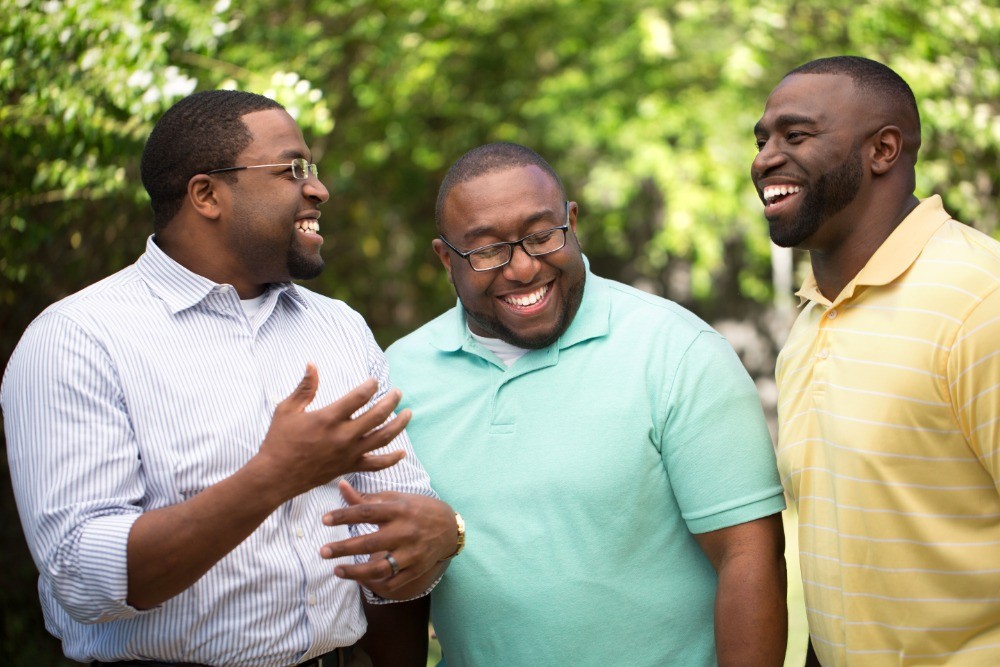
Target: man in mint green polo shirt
[(605, 446)]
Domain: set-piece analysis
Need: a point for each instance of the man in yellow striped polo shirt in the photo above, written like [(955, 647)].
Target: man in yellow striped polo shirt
[(889, 383)]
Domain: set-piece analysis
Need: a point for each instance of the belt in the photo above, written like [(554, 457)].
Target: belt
[(335, 658)]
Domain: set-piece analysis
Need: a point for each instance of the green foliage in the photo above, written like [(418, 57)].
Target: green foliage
[(645, 108)]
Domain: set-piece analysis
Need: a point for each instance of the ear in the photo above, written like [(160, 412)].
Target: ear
[(444, 254), (573, 210), (886, 147), (205, 196)]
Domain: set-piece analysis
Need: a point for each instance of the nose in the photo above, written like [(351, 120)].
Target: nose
[(522, 267), (314, 190), (767, 158)]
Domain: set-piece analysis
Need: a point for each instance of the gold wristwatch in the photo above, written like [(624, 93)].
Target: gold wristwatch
[(460, 525)]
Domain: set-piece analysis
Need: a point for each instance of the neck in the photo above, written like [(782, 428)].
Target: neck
[(837, 265), (190, 251)]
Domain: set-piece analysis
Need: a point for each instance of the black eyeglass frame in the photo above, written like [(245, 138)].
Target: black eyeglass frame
[(564, 228)]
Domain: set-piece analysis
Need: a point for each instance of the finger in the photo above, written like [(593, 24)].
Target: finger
[(376, 569), (352, 401), (376, 513), (351, 496), (304, 392), (377, 415), (375, 462), (386, 433), (360, 545), (378, 572)]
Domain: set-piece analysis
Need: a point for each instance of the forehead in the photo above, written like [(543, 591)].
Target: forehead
[(817, 97), (504, 198), (275, 135)]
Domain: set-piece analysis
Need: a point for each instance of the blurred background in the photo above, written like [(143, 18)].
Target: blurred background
[(645, 108)]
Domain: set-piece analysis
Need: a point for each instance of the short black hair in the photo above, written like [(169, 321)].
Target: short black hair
[(487, 159), (201, 132), (882, 87)]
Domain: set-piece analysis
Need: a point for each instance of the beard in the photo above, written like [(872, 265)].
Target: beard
[(567, 311), (831, 194), (302, 266)]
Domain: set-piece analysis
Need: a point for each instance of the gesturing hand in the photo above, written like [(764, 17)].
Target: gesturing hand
[(309, 449), (417, 530)]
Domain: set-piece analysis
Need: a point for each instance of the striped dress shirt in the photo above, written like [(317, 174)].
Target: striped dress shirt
[(139, 392), (889, 443)]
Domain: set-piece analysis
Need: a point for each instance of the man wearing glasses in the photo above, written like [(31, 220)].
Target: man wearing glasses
[(606, 447), (177, 476)]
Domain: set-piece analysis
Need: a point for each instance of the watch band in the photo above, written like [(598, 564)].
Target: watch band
[(460, 542)]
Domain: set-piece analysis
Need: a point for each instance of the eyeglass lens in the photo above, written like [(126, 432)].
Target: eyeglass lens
[(301, 169), (539, 243)]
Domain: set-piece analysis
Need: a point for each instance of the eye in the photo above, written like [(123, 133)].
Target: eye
[(760, 143), (490, 251), (795, 136)]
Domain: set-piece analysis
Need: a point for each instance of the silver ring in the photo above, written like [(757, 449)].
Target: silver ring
[(393, 564)]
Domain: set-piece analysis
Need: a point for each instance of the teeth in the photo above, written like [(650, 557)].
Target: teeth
[(772, 191), (529, 299), (310, 226)]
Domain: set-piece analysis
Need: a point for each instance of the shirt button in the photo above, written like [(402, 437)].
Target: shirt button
[(832, 315), (311, 599), (299, 532), (823, 354)]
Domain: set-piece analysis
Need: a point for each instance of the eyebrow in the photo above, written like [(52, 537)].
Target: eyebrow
[(293, 154), (784, 121), (487, 230)]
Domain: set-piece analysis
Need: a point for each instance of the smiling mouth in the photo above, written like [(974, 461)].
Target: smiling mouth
[(307, 226), (526, 300), (774, 194)]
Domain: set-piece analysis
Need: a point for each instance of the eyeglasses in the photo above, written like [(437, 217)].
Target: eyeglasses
[(495, 255), (301, 168)]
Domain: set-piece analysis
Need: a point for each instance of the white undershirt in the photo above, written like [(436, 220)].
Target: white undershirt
[(251, 306), (506, 352)]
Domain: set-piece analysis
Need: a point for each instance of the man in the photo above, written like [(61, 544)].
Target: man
[(606, 446), (171, 463), (889, 383)]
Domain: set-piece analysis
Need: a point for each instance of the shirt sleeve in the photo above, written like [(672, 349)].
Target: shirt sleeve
[(974, 382), (715, 445), (74, 465)]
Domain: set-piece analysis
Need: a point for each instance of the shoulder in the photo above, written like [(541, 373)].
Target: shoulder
[(634, 312), (965, 260), (97, 304), (434, 336)]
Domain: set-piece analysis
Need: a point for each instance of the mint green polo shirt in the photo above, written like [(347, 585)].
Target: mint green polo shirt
[(582, 472)]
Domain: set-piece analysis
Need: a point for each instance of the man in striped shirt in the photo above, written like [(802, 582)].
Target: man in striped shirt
[(889, 383), (176, 474)]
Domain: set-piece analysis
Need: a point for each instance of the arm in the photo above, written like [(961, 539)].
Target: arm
[(172, 547), (751, 619), (397, 633), (419, 531)]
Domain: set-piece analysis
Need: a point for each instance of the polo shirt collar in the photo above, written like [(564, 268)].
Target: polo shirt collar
[(181, 288), (591, 320), (893, 257)]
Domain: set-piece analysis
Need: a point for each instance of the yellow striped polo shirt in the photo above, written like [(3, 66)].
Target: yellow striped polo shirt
[(889, 430)]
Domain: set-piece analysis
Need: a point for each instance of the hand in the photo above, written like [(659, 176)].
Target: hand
[(417, 530), (308, 449)]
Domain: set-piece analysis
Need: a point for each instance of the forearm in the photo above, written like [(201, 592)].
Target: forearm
[(751, 618), (170, 548)]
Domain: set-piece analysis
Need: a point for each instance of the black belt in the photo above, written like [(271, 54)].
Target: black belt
[(335, 658)]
